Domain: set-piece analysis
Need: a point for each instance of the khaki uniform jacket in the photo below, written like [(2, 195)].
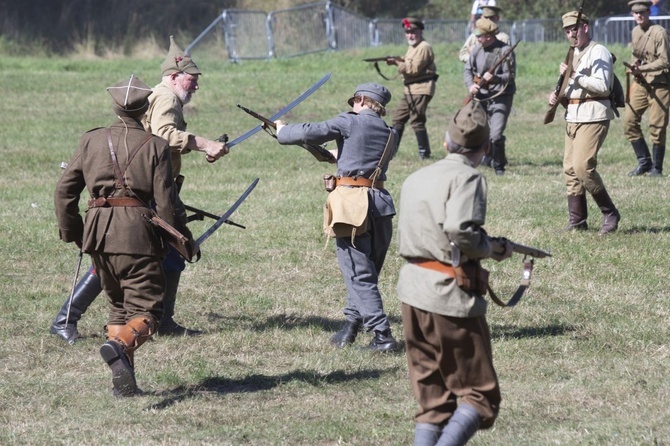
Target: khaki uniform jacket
[(442, 203), (418, 70), (650, 47), (165, 118), (119, 230)]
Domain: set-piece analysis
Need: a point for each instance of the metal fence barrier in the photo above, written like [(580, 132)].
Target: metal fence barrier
[(325, 26)]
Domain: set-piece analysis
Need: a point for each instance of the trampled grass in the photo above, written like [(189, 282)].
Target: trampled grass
[(582, 359)]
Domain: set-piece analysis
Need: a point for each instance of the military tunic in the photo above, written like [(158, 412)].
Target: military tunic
[(361, 139), (125, 247), (471, 41), (418, 73), (650, 48), (442, 203)]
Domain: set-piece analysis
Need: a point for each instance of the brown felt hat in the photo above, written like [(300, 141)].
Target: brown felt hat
[(570, 19), (490, 11), (469, 128), (485, 26), (177, 61), (639, 5), (131, 97)]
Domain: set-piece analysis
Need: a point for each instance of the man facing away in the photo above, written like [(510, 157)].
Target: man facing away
[(448, 344), (124, 169), (164, 118)]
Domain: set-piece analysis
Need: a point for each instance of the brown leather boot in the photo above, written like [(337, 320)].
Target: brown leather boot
[(610, 213), (577, 213)]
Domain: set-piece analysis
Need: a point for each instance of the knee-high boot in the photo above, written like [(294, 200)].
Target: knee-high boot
[(118, 351), (167, 325), (658, 155), (85, 292), (643, 158), (424, 144), (577, 212), (610, 213)]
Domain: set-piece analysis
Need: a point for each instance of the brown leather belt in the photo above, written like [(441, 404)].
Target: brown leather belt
[(433, 265), (358, 182), (128, 202), (581, 100)]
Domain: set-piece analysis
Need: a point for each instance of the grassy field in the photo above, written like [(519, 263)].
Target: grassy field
[(582, 360)]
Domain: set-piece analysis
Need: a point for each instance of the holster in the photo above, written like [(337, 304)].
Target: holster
[(174, 238), (471, 277)]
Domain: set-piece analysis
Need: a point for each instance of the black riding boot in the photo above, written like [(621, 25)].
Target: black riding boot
[(85, 293), (167, 325), (610, 213), (347, 334), (498, 157), (659, 154), (577, 212), (424, 144), (643, 158)]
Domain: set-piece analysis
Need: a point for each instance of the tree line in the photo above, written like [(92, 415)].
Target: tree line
[(57, 26)]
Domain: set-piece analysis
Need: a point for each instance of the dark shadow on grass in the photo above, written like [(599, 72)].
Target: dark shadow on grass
[(513, 332), (290, 322), (641, 229), (258, 383)]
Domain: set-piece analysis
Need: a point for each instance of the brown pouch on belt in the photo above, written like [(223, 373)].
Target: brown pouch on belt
[(329, 182), (472, 277)]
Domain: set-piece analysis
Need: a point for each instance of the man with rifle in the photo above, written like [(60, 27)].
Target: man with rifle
[(489, 77), (491, 13), (164, 118), (650, 69), (589, 79), (419, 75)]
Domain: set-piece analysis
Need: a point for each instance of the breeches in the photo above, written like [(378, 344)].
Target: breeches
[(134, 285), (497, 111), (411, 108), (580, 158), (450, 358), (656, 101)]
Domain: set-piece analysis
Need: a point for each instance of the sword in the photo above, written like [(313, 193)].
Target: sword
[(281, 112), (205, 235)]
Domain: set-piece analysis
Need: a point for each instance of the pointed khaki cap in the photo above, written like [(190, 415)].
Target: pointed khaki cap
[(131, 97), (178, 61)]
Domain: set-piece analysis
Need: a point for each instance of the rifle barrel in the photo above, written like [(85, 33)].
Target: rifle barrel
[(258, 116)]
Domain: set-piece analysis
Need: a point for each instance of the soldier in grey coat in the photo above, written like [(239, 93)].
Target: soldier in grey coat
[(364, 145), (123, 169)]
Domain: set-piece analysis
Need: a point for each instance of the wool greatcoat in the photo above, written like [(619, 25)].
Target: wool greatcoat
[(126, 248), (361, 139)]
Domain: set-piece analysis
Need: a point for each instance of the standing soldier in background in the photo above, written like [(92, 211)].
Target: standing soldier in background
[(447, 338), (651, 90), (165, 118), (495, 91), (587, 117), (488, 12), (419, 75), (124, 168)]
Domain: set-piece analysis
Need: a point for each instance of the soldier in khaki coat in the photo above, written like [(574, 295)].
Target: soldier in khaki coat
[(488, 12), (650, 91), (419, 74), (123, 168)]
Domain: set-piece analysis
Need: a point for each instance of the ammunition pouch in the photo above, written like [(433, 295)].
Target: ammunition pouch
[(329, 182), (471, 277), (421, 79)]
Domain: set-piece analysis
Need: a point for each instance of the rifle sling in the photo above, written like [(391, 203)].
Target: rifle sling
[(382, 75)]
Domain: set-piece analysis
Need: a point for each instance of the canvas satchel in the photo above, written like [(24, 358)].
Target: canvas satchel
[(345, 213)]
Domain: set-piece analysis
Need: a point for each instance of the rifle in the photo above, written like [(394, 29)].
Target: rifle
[(386, 59), (318, 152), (638, 77), (564, 79), (483, 83)]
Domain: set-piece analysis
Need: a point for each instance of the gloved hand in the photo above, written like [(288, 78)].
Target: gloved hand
[(501, 249)]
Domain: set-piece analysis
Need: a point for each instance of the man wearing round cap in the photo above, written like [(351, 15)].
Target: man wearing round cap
[(164, 118), (650, 91), (419, 75), (448, 345), (489, 12), (365, 144), (477, 10), (588, 114), (124, 168), (495, 91)]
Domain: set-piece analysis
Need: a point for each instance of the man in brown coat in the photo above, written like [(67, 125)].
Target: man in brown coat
[(123, 168)]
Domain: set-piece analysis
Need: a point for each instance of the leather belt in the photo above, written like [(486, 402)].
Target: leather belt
[(433, 265), (358, 182), (581, 100), (128, 202)]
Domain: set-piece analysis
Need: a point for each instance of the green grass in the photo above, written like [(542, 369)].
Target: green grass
[(582, 360)]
